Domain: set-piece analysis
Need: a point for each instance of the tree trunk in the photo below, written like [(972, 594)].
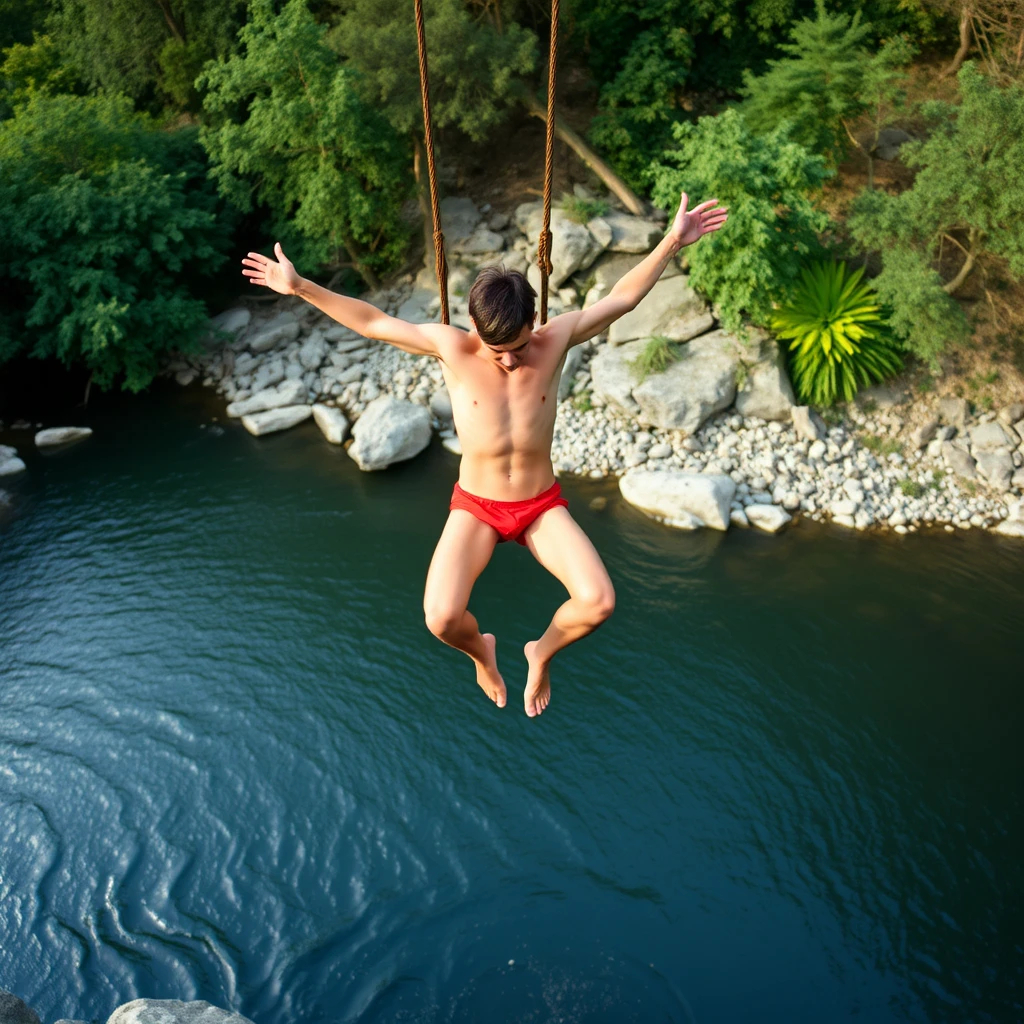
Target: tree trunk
[(172, 23), (951, 287), (965, 42), (614, 183), (371, 279)]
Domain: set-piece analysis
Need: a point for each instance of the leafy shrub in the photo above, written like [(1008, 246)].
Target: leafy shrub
[(105, 246), (767, 182), (838, 337), (583, 210), (655, 357)]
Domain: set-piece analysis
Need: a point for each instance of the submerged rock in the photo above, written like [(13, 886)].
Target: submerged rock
[(12, 465), (389, 431), (16, 1011), (770, 518), (172, 1011), (680, 499), (61, 435)]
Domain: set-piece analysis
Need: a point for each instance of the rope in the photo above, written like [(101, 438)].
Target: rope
[(440, 263), (544, 242)]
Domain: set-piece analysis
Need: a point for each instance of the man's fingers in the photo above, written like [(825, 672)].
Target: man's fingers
[(705, 206), (683, 201)]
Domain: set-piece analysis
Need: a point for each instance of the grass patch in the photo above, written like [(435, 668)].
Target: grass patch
[(986, 402), (926, 384), (911, 488), (883, 446), (742, 376), (657, 356), (582, 402), (583, 210), (938, 475)]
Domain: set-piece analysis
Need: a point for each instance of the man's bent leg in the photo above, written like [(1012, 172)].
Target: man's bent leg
[(560, 545), (465, 547)]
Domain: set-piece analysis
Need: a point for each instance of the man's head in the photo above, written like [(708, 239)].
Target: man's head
[(501, 304)]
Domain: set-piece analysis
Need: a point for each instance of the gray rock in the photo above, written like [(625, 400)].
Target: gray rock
[(498, 221), (766, 391), (344, 338), (817, 450), (987, 437), (921, 435), (227, 325), (14, 1011), (678, 498), (601, 231), (807, 423), (959, 461), (332, 423), (954, 411), (291, 392), (61, 435), (770, 518), (997, 468), (8, 467), (882, 396), (283, 327), (70, 1020), (273, 420), (481, 241), (314, 351), (293, 371), (613, 377), (459, 218), (352, 374), (632, 234), (7, 452), (441, 405), (1012, 413), (701, 382), (185, 377), (572, 364), (171, 1011), (672, 309), (846, 507), (739, 518), (572, 245), (890, 141), (661, 450), (452, 444), (389, 431)]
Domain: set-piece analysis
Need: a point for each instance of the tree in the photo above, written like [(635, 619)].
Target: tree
[(288, 127), (105, 243), (150, 51), (767, 183), (19, 20), (966, 199), (33, 67)]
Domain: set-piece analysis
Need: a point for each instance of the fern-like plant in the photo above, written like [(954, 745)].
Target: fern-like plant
[(838, 338)]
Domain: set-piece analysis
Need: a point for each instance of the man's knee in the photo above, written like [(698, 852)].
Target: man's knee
[(599, 604), (442, 621)]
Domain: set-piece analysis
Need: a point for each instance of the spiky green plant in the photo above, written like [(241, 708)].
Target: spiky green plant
[(655, 357), (838, 337)]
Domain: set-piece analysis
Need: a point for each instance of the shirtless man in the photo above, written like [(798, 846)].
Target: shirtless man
[(502, 377)]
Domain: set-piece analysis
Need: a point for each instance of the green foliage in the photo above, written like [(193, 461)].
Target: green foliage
[(288, 128), (767, 182), (884, 446), (103, 243), (20, 20), (33, 67), (475, 71), (149, 51), (655, 357), (911, 488), (816, 86), (837, 336), (583, 210)]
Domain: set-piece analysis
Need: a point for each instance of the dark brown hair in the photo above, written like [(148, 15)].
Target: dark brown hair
[(501, 302)]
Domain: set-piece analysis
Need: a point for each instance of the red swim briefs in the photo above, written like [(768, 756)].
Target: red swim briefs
[(509, 518)]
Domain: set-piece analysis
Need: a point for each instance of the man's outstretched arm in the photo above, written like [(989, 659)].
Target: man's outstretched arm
[(280, 276), (687, 228)]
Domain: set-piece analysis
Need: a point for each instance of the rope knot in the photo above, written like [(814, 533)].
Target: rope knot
[(544, 251)]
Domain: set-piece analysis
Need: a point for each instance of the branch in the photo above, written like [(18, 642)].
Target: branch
[(176, 30), (950, 288), (615, 184), (965, 42)]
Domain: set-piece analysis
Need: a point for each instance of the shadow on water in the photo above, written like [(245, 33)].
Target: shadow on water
[(783, 783)]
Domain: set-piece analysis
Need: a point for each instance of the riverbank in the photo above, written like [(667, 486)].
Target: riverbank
[(139, 1011), (723, 408)]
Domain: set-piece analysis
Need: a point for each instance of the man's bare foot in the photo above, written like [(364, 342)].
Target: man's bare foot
[(538, 682), (487, 674)]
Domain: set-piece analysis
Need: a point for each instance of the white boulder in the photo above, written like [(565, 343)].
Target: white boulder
[(283, 327), (273, 420), (671, 309), (987, 437), (770, 518), (389, 431), (332, 423), (573, 247), (314, 351), (996, 467), (11, 465), (291, 392), (61, 435), (677, 498), (632, 234), (172, 1011), (228, 324)]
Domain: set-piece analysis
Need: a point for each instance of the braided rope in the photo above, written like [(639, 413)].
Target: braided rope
[(544, 241), (440, 263)]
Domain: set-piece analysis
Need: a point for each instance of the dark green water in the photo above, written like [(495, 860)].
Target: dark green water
[(784, 783)]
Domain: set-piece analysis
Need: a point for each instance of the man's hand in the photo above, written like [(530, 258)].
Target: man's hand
[(279, 277), (701, 220)]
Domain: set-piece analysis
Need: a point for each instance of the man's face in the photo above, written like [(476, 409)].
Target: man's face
[(512, 353)]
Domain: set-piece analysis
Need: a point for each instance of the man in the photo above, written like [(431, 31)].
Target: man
[(502, 377)]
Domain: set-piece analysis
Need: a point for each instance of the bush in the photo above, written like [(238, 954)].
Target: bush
[(837, 336), (767, 183), (656, 357), (105, 248)]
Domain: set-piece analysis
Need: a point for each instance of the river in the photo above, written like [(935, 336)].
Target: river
[(784, 783)]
